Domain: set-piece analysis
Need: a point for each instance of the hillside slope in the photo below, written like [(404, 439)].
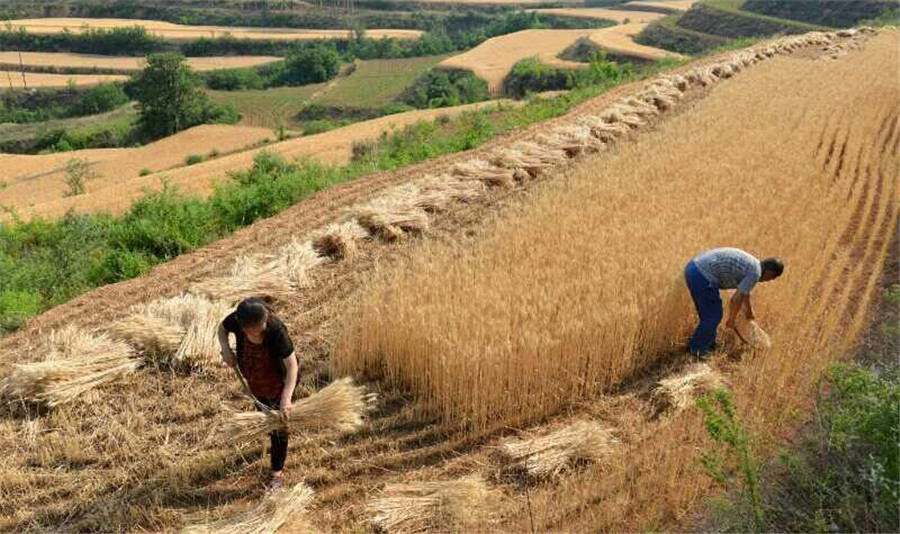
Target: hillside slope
[(136, 455)]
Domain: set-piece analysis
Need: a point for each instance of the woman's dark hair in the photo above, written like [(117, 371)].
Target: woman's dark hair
[(251, 312), (773, 265)]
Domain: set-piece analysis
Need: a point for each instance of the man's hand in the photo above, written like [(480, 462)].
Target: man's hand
[(285, 411)]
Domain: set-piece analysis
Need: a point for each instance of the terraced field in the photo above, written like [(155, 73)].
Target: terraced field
[(60, 60), (114, 191), (620, 16), (178, 32), (269, 108), (637, 161), (668, 5), (619, 40), (30, 80)]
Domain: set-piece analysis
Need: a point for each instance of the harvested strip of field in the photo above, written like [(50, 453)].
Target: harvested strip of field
[(669, 5), (578, 291), (91, 61), (33, 180), (115, 194), (14, 79), (617, 15), (619, 40), (493, 59), (176, 32)]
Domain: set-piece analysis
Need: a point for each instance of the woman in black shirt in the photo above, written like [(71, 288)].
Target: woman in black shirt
[(265, 356)]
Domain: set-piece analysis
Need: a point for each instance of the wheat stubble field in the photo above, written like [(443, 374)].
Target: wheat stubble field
[(591, 299)]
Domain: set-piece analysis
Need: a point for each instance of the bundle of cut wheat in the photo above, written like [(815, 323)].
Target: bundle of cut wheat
[(641, 108), (660, 100), (677, 393), (76, 362), (392, 218), (484, 171), (572, 140), (339, 240), (295, 261), (250, 276), (178, 331), (340, 407), (551, 454), (152, 335), (452, 187), (424, 507), (530, 157), (605, 131), (269, 516), (631, 120)]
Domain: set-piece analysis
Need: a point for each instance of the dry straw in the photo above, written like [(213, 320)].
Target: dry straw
[(392, 218), (295, 261), (424, 507), (485, 172), (340, 240), (76, 362), (178, 331), (250, 276), (553, 453), (270, 515), (340, 407), (678, 392)]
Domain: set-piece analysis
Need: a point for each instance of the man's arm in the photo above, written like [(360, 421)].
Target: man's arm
[(290, 382), (737, 302), (749, 304)]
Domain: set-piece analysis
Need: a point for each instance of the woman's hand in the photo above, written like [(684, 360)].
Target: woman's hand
[(228, 357), (285, 411)]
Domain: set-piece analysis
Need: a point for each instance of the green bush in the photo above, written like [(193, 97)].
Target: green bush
[(99, 99), (193, 159), (234, 79), (311, 65), (531, 76), (16, 307), (442, 88)]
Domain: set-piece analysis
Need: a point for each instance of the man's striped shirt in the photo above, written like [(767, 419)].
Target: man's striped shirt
[(730, 268)]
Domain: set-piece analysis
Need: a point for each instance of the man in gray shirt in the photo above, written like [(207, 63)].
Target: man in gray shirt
[(724, 268)]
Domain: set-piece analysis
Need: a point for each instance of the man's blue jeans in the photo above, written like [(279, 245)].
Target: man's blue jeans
[(709, 308)]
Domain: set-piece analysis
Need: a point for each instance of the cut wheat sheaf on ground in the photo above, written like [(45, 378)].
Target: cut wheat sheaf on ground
[(543, 281)]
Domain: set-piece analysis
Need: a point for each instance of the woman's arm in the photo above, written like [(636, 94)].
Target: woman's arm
[(227, 353), (291, 368)]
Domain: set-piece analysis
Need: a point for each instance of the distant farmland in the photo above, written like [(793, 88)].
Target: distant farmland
[(22, 80), (61, 61), (177, 32)]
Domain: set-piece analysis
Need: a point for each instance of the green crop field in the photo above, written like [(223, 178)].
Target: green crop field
[(372, 85), (377, 82), (268, 107)]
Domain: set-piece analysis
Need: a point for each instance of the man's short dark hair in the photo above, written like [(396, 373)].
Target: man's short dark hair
[(251, 312), (773, 265)]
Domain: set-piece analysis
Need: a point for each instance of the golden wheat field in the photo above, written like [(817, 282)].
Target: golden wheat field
[(30, 80), (580, 290), (516, 309), (617, 15), (493, 59), (117, 182), (34, 180), (175, 32), (90, 61), (673, 5), (619, 40)]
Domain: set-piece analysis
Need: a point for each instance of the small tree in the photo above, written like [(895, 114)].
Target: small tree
[(78, 171), (311, 65), (169, 95)]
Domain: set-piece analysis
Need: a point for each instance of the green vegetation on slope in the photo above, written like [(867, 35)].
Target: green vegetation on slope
[(46, 263), (835, 13)]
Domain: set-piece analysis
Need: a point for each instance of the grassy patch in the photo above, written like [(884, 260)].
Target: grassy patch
[(268, 108), (377, 82)]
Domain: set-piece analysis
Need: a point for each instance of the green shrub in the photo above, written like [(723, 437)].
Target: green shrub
[(16, 307), (443, 88), (531, 76), (311, 65), (317, 127), (193, 159), (145, 172), (99, 99), (78, 171), (234, 79)]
